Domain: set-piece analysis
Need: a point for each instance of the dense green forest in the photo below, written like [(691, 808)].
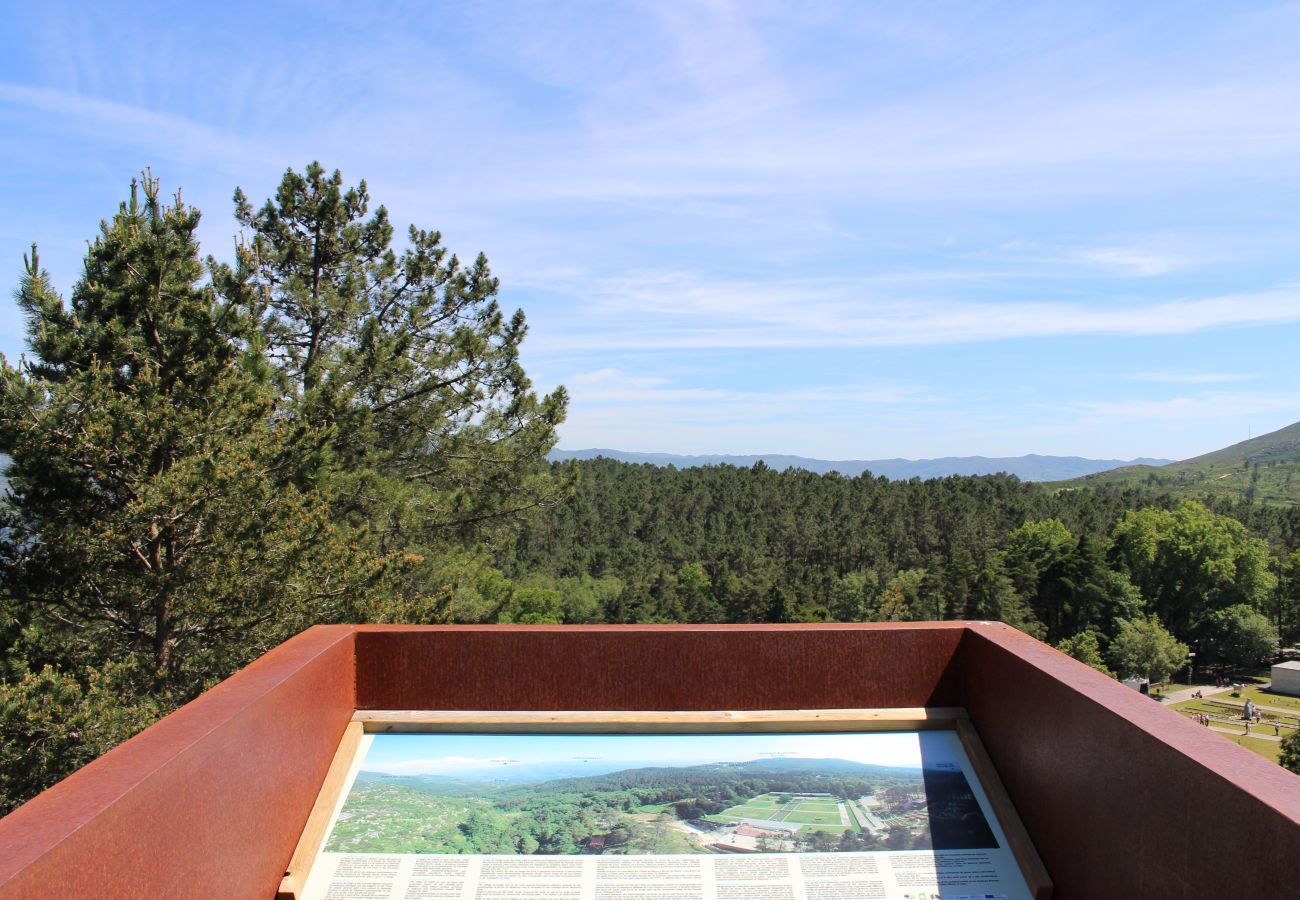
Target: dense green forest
[(638, 543), (207, 457)]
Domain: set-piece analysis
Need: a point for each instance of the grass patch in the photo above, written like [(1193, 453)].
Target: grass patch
[(1267, 749), (1208, 706), (753, 812), (1224, 706), (1268, 698), (1224, 715), (811, 818), (1225, 710), (1270, 750)]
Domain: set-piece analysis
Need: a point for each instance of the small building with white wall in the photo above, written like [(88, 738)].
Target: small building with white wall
[(1286, 678)]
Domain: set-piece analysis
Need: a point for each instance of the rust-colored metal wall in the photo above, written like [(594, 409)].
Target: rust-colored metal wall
[(207, 803), (658, 667), (1121, 797)]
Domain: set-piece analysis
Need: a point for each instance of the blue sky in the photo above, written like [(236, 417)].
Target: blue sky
[(842, 230), (455, 754)]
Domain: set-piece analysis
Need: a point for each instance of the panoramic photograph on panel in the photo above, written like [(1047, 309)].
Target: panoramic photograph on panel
[(661, 794)]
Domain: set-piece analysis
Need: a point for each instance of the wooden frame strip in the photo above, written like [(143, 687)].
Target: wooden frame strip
[(1031, 864), (313, 833), (377, 721)]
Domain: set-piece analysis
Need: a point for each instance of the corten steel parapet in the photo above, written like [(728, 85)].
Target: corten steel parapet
[(1121, 797)]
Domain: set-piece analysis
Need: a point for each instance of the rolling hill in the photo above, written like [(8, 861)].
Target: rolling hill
[(1265, 469), (1278, 446)]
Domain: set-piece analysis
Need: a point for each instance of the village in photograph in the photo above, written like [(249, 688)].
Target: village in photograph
[(660, 794)]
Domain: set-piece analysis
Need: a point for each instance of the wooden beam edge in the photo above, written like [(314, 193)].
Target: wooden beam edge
[(1031, 864), (686, 721), (313, 833)]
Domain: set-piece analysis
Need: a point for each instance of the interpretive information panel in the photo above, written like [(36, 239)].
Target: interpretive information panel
[(828, 816)]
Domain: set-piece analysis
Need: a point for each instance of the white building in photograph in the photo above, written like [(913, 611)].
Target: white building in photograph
[(1286, 678)]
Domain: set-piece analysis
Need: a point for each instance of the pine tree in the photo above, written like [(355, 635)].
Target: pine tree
[(404, 363), (151, 521)]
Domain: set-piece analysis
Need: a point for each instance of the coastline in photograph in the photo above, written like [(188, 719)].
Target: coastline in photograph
[(639, 794)]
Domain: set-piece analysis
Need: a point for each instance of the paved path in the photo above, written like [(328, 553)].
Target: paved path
[(1257, 732), (1186, 693), (866, 819)]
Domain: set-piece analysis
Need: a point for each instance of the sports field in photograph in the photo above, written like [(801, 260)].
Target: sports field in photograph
[(794, 810)]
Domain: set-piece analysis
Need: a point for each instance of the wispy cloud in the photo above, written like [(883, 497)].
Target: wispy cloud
[(608, 378), (674, 310), (612, 386), (1134, 260), (172, 137), (1195, 377), (612, 408), (1209, 407)]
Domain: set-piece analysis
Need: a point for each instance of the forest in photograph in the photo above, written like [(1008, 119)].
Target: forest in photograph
[(768, 804)]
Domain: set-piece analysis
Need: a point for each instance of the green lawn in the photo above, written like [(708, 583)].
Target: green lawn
[(1267, 749), (1226, 704), (1270, 750), (796, 812), (752, 812), (1208, 705), (1226, 710), (1267, 698), (813, 818)]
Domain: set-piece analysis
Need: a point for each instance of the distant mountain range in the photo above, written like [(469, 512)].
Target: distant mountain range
[(565, 775), (718, 772), (521, 772), (1027, 468)]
